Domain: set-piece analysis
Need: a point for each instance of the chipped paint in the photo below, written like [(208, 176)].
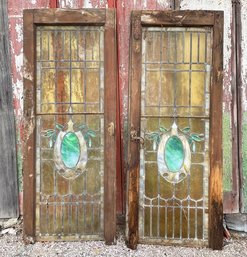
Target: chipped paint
[(124, 8), (15, 11), (67, 4), (244, 54), (244, 100), (225, 6), (19, 32), (83, 4), (88, 4), (19, 62)]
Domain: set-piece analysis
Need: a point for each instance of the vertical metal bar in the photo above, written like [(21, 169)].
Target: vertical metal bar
[(196, 236), (158, 180), (85, 69), (92, 220), (198, 47), (174, 77), (183, 36), (70, 74), (151, 218), (99, 62), (168, 47), (62, 208), (166, 220), (84, 194), (190, 73), (181, 219), (77, 214), (39, 122), (188, 223)]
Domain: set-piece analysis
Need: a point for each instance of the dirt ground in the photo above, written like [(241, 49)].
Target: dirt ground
[(11, 244)]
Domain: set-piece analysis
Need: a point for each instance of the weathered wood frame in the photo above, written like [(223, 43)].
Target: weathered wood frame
[(92, 17), (213, 19), (233, 200)]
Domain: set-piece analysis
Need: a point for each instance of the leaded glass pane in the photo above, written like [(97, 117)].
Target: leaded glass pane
[(70, 132), (175, 97)]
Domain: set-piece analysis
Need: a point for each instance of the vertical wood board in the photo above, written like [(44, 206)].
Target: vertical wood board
[(8, 165)]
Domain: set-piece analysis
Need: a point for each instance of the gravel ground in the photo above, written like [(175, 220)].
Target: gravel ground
[(12, 245)]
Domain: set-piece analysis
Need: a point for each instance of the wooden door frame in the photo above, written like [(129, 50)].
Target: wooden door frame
[(213, 19), (82, 17)]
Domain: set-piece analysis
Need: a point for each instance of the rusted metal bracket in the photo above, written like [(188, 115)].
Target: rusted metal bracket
[(134, 137)]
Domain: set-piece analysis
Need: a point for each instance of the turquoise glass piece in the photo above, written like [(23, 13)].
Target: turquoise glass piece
[(70, 150), (174, 154)]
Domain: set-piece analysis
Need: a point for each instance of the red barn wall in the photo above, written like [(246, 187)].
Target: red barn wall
[(124, 8)]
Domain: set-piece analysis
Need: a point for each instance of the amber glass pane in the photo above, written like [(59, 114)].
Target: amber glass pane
[(175, 117), (70, 132), (69, 69)]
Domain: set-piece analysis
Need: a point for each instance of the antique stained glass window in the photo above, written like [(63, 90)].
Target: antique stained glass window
[(70, 132), (174, 163)]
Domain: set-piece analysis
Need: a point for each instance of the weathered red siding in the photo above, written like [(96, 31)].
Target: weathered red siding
[(124, 8)]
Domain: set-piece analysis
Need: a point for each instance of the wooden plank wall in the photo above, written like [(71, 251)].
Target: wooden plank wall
[(124, 7), (8, 166), (229, 119), (15, 14), (243, 53)]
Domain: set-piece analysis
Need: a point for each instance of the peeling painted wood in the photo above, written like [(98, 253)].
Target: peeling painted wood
[(243, 155), (231, 198), (124, 9), (135, 111), (238, 178), (82, 3), (8, 165), (29, 136)]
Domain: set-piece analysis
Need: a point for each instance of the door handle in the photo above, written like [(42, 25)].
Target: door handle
[(111, 129), (134, 137)]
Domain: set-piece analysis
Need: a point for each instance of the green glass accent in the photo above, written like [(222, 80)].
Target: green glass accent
[(174, 154), (70, 150)]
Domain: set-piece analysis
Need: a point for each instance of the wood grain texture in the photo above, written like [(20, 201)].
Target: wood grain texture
[(67, 16), (135, 111), (215, 20), (177, 18), (238, 180), (124, 9), (231, 198), (110, 117), (83, 17), (215, 154), (29, 129), (8, 165)]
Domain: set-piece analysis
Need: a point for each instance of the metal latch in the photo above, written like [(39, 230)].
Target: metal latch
[(111, 129), (134, 137)]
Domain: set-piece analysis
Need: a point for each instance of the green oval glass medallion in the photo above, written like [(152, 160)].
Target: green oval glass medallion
[(70, 150), (174, 154)]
